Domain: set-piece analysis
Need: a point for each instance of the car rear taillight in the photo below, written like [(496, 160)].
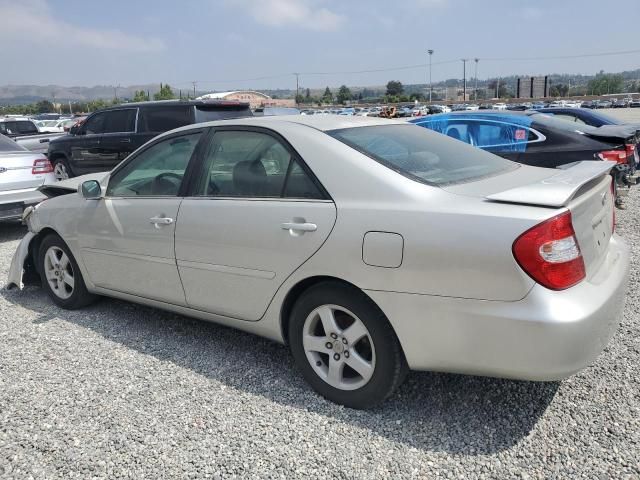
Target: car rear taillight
[(41, 165), (619, 156), (549, 253)]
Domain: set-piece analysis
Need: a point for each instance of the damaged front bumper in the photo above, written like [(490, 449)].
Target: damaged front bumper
[(16, 271)]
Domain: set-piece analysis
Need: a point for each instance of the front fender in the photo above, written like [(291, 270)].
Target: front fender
[(16, 271)]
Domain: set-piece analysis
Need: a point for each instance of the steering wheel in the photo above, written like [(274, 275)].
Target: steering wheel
[(166, 183)]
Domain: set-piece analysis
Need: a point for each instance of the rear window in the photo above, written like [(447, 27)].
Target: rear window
[(19, 127), (8, 145), (206, 113), (163, 119), (421, 155)]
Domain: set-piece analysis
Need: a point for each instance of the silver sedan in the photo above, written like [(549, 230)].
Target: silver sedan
[(371, 247)]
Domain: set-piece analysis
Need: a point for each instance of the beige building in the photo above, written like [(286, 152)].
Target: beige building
[(255, 99)]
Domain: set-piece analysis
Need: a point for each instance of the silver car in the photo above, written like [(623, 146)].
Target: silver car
[(371, 247), (21, 172)]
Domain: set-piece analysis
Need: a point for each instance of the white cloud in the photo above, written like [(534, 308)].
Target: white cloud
[(32, 21), (303, 14)]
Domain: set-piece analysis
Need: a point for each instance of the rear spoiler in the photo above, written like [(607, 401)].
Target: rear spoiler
[(628, 133), (556, 190)]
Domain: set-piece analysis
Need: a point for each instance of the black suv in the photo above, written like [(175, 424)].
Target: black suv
[(108, 136)]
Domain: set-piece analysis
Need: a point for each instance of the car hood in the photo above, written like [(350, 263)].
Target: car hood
[(65, 187)]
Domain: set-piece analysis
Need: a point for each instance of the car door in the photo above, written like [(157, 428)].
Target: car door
[(116, 142), (127, 237), (256, 214), (85, 146)]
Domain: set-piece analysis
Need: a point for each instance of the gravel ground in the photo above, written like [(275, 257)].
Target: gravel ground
[(123, 391)]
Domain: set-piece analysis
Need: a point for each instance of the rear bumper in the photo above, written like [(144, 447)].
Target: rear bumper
[(547, 335)]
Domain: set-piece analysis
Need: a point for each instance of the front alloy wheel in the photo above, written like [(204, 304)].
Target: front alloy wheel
[(59, 272), (60, 171)]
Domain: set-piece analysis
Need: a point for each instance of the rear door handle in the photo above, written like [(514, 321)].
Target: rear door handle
[(300, 227), (159, 221), (125, 140)]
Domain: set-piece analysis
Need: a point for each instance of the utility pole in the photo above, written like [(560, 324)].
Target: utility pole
[(430, 52), (115, 93), (194, 83), (464, 82), (498, 88), (475, 93), (297, 86)]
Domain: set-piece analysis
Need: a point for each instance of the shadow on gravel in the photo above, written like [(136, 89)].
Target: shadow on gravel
[(434, 412)]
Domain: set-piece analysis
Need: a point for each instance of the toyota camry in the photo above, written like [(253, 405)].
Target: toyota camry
[(371, 247)]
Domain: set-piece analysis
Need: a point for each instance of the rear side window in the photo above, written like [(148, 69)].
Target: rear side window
[(19, 127), (209, 113), (422, 155), (163, 119), (120, 121)]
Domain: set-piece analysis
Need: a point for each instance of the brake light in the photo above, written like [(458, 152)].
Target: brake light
[(549, 253), (619, 156), (41, 165)]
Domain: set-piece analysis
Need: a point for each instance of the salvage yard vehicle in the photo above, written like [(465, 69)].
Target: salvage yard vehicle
[(24, 132), (21, 173), (541, 140), (108, 136), (370, 246)]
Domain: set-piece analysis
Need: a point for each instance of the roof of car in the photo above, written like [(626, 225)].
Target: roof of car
[(164, 103)]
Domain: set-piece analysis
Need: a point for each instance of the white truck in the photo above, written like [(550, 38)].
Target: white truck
[(25, 133)]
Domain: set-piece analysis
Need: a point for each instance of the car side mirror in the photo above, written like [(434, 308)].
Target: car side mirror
[(90, 190)]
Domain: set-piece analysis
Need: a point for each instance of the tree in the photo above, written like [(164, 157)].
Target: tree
[(307, 96), (327, 97), (45, 106), (493, 84), (344, 94), (140, 96), (560, 90), (165, 93), (394, 87), (604, 83)]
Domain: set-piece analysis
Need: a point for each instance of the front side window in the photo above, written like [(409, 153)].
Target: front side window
[(95, 124), (422, 155), (120, 121), (157, 171)]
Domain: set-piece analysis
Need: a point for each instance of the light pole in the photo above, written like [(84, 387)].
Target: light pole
[(430, 52), (297, 86), (464, 82), (475, 93)]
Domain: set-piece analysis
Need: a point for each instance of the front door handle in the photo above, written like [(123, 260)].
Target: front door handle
[(125, 140), (159, 221), (300, 227)]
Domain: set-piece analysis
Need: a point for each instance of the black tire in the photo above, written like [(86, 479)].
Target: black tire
[(390, 365), (79, 297), (61, 164)]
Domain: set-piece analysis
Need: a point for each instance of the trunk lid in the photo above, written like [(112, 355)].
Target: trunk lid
[(15, 171), (584, 189)]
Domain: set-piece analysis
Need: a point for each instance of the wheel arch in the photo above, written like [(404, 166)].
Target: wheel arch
[(31, 265), (301, 287)]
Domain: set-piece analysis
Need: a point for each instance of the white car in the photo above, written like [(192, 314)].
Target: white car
[(369, 246), (21, 173), (499, 106)]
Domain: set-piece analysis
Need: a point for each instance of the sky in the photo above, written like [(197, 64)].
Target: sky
[(254, 44)]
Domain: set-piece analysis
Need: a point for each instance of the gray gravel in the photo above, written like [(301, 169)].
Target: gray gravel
[(122, 391)]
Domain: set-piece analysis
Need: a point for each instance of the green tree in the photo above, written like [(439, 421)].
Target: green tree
[(140, 96), (605, 83), (394, 87), (45, 106), (307, 96), (327, 97), (560, 90), (344, 94), (165, 93)]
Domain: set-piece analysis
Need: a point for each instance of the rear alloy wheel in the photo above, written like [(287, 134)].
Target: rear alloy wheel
[(345, 346), (61, 276), (61, 170)]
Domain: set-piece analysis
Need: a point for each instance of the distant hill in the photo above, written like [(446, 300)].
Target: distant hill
[(23, 94)]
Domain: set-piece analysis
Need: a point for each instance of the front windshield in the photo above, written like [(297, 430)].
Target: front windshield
[(423, 155)]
